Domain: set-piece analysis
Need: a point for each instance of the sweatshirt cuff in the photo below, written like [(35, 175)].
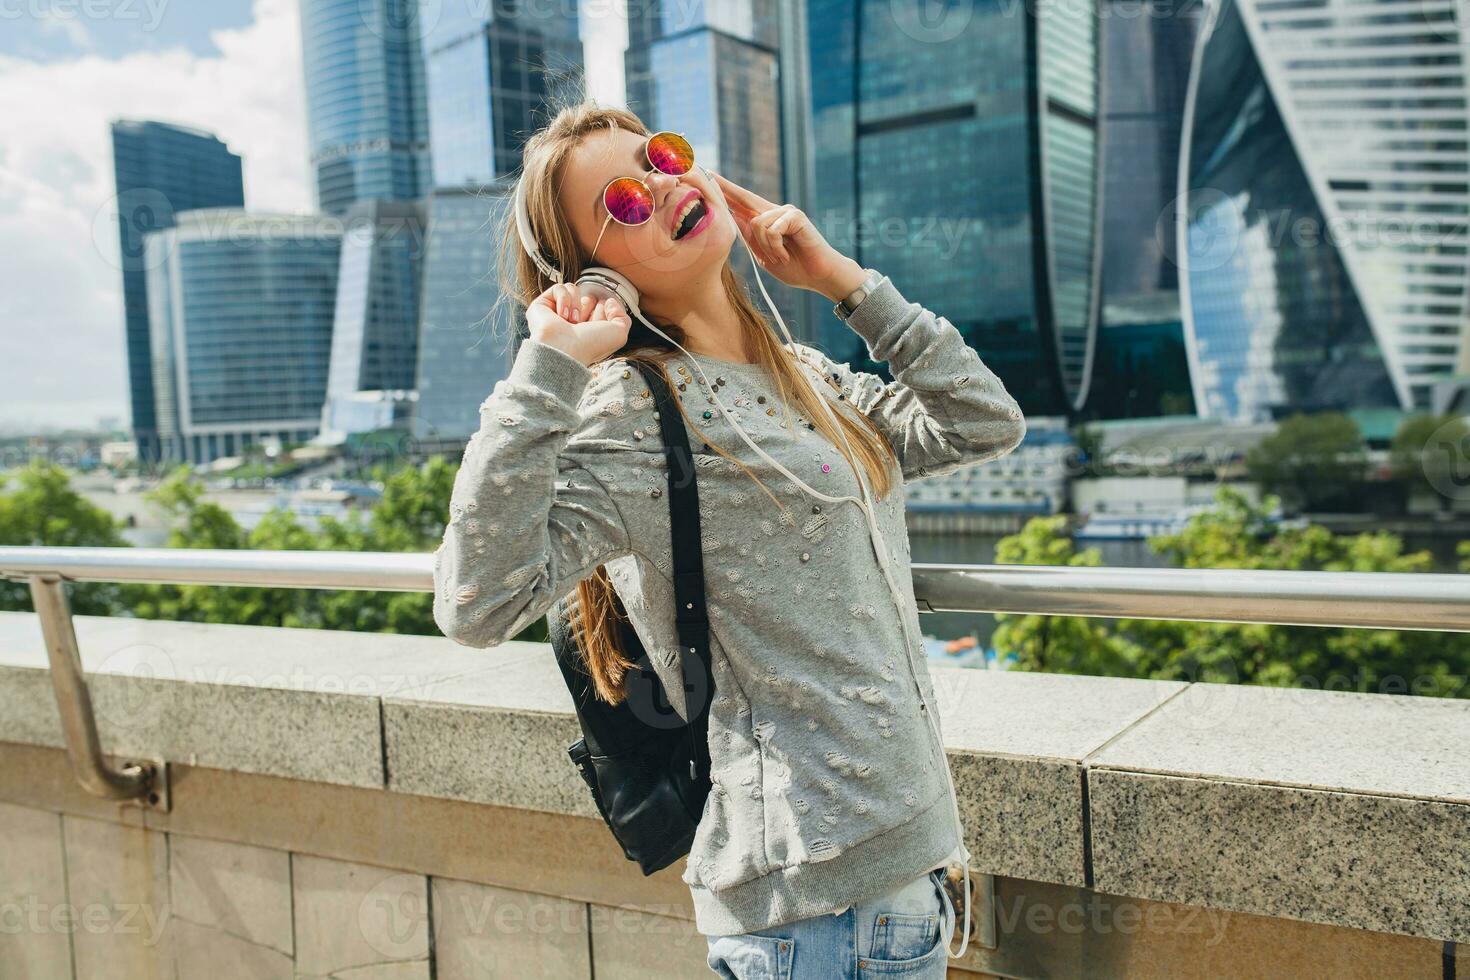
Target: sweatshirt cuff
[(880, 310), (550, 369)]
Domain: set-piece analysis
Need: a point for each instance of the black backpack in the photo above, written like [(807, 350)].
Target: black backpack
[(648, 770)]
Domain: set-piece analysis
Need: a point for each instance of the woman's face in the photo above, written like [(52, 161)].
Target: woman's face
[(663, 254)]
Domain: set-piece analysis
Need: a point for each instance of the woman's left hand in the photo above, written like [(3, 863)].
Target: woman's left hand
[(787, 244)]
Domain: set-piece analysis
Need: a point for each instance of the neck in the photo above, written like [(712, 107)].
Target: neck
[(703, 310)]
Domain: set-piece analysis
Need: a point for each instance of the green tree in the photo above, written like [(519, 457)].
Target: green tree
[(1235, 534), (1089, 439), (39, 507), (1310, 460), (1428, 454), (1057, 644)]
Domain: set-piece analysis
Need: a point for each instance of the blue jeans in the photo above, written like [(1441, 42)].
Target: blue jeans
[(905, 932)]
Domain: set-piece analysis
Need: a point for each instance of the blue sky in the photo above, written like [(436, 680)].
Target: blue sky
[(68, 68), (68, 28)]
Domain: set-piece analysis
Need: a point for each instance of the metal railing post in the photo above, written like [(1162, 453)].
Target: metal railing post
[(144, 781)]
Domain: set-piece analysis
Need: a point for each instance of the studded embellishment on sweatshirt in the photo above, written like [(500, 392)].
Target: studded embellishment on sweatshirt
[(815, 697)]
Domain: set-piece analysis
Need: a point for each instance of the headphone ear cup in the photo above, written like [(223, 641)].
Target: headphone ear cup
[(613, 283)]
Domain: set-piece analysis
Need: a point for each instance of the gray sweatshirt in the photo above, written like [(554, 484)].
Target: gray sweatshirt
[(829, 779)]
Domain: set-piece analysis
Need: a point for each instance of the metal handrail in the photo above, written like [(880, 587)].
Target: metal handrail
[(1375, 600)]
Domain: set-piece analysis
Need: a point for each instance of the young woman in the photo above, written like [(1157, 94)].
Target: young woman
[(825, 842)]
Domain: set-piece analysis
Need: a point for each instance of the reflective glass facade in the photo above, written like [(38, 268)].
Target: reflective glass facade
[(1067, 71), (492, 69), (462, 352), (489, 75), (1276, 323), (366, 113), (160, 170), (1140, 368), (375, 332), (936, 177), (240, 314), (1379, 105)]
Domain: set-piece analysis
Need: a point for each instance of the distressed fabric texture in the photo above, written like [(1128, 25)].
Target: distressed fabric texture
[(828, 782), (903, 932)]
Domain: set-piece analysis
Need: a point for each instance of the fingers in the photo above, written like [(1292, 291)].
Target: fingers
[(570, 303), (559, 298), (772, 227), (744, 200)]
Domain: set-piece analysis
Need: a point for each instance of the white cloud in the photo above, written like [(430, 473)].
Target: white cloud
[(604, 31), (51, 22), (61, 314)]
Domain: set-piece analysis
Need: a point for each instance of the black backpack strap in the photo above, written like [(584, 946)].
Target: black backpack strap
[(691, 620)]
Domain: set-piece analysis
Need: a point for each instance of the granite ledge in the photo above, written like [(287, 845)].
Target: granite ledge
[(1065, 779)]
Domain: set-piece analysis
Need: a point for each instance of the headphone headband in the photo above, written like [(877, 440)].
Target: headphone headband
[(528, 240)]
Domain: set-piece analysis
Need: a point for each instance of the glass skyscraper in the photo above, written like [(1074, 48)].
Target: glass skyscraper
[(1323, 229), (161, 170), (463, 350), (375, 331), (955, 148), (1141, 368), (366, 114), (240, 316), (492, 70)]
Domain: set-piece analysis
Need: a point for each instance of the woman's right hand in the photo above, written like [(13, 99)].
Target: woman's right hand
[(578, 323)]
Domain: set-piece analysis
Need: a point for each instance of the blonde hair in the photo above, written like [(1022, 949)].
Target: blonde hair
[(594, 613)]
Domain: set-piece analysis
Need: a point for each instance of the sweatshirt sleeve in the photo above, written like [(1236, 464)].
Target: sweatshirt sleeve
[(945, 408), (527, 519)]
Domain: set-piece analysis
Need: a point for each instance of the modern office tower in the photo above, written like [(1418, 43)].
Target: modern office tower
[(711, 72), (240, 319), (375, 335), (956, 151), (492, 69), (463, 348), (1141, 367), (366, 116), (1325, 200), (161, 170), (492, 76)]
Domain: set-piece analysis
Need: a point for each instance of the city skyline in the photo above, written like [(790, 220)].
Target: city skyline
[(1023, 191), (235, 72)]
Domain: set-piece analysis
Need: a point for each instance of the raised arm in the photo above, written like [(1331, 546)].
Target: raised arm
[(528, 519), (944, 409)]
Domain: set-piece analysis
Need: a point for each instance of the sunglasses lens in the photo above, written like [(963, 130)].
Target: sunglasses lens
[(628, 201), (671, 154)]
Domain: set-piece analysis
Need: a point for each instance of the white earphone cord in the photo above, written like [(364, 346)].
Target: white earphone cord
[(874, 533)]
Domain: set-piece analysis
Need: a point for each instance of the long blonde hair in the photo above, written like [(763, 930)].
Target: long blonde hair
[(594, 614)]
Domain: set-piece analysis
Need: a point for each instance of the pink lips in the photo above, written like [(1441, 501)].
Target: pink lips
[(703, 222)]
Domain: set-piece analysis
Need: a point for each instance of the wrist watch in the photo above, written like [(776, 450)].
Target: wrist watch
[(850, 302)]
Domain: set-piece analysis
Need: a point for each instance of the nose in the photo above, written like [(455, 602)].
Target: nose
[(661, 184)]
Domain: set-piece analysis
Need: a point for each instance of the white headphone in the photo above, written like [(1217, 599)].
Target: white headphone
[(600, 278)]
